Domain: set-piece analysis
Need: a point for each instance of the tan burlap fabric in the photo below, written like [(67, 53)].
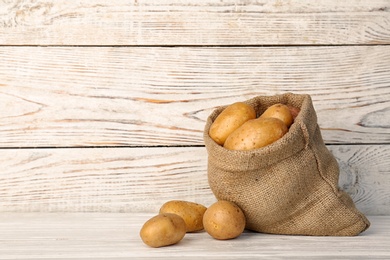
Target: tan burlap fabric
[(290, 186)]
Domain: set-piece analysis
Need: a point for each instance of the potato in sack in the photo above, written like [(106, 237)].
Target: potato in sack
[(279, 111), (256, 133), (231, 118)]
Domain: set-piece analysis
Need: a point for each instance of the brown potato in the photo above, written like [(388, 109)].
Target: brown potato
[(229, 120), (191, 212), (256, 133), (279, 111), (163, 230), (224, 220)]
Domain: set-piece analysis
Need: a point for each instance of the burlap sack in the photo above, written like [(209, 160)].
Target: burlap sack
[(288, 187)]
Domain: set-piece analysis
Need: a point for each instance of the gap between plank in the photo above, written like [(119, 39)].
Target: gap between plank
[(151, 146), (196, 46)]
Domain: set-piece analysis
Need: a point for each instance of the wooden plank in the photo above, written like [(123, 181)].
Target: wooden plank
[(142, 179), (116, 236), (206, 22), (107, 179), (365, 175), (64, 96)]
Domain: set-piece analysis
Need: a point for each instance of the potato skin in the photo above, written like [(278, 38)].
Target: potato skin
[(163, 230), (279, 111), (256, 133), (232, 117), (191, 212), (224, 220), (294, 111)]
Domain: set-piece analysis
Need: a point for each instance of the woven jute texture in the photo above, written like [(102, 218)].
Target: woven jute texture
[(288, 187)]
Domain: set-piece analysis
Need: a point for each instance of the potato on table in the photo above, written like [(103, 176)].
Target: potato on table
[(224, 220), (163, 230), (191, 212)]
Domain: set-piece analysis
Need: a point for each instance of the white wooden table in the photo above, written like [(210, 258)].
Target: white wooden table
[(116, 236)]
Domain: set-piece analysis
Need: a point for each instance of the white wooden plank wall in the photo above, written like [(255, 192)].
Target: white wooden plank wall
[(103, 103)]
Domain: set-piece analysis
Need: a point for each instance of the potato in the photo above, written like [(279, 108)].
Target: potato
[(279, 111), (256, 133), (294, 111), (191, 212), (163, 230), (224, 220), (232, 117)]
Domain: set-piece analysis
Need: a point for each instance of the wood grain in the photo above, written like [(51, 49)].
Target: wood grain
[(107, 179), (116, 236), (206, 22), (103, 104), (142, 179), (69, 97), (365, 175)]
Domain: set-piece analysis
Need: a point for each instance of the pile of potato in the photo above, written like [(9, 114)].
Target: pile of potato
[(222, 220), (238, 128)]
